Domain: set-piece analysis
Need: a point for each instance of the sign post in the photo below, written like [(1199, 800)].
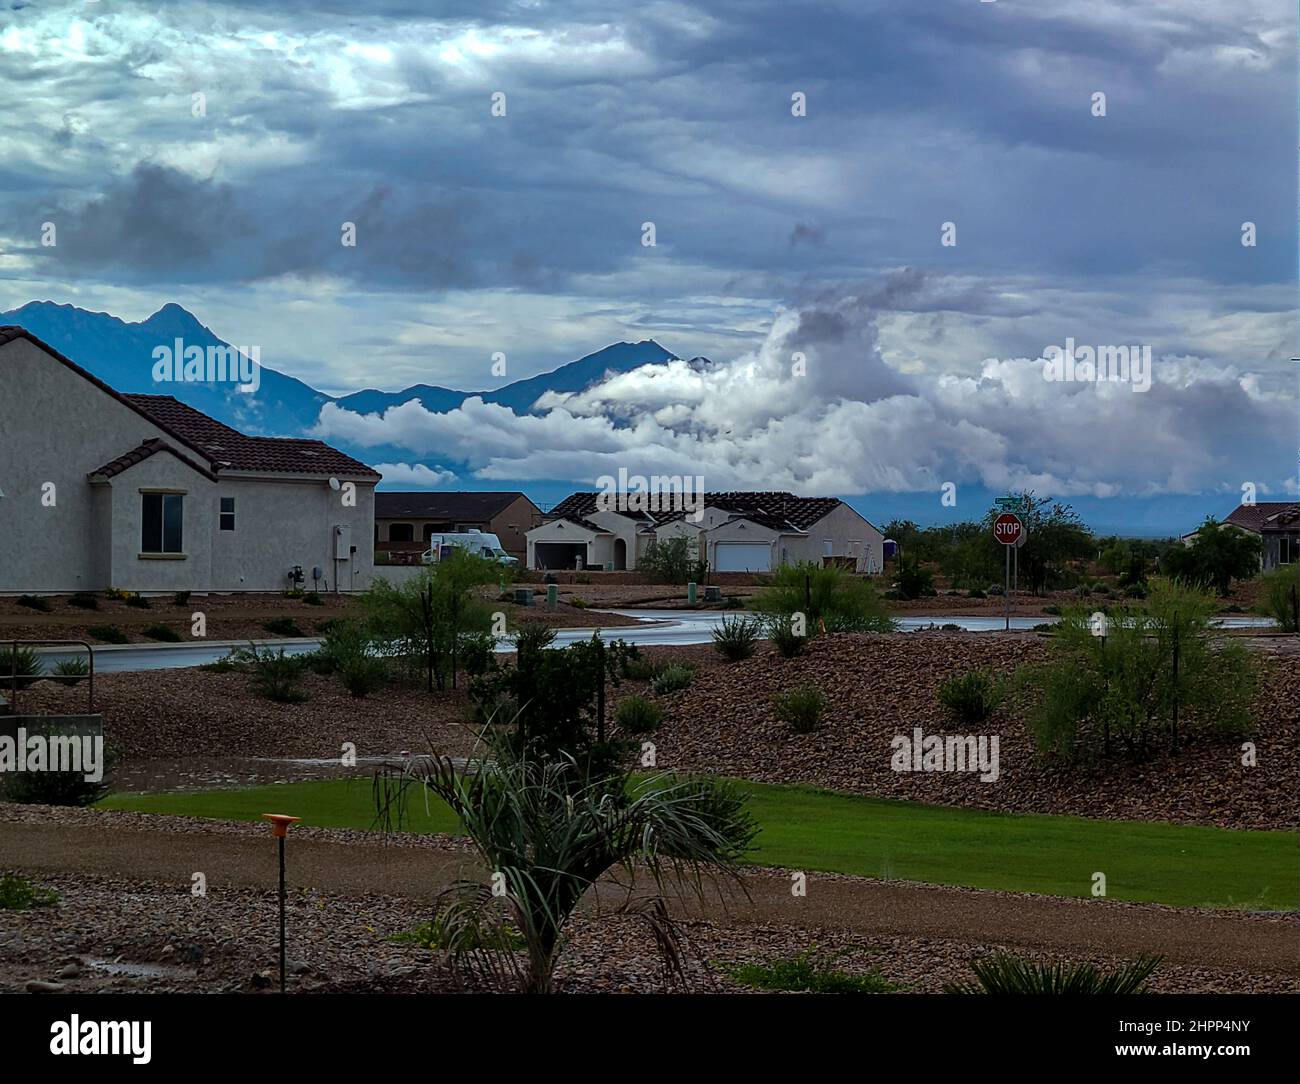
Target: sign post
[(1009, 530)]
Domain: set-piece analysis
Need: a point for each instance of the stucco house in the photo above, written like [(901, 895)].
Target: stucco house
[(735, 532), (1277, 523), (143, 493), (404, 522)]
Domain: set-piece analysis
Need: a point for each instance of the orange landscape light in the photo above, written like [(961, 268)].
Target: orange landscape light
[(280, 829)]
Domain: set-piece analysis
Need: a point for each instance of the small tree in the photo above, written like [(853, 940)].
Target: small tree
[(426, 618), (675, 560), (1219, 554), (825, 596), (1282, 597), (547, 835)]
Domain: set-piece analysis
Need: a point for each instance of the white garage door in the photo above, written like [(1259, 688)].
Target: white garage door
[(743, 557)]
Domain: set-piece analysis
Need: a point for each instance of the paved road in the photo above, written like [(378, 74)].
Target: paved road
[(1218, 939), (676, 628)]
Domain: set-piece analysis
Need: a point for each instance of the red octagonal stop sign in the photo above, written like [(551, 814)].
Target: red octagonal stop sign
[(1007, 529)]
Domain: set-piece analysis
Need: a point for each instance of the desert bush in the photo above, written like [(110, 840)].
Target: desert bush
[(83, 600), (1281, 599), (672, 561), (282, 626), (137, 601), (35, 602), (71, 671), (672, 679), (1161, 669), (637, 715), (1002, 973), (826, 596), (108, 634), (782, 630), (312, 598), (970, 697), (350, 651), (22, 662), (275, 675), (181, 598), (914, 581), (736, 638), (799, 708), (163, 633), (17, 893), (56, 788), (811, 973), (637, 667)]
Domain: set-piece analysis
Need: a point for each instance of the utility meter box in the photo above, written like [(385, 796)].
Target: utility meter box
[(342, 543)]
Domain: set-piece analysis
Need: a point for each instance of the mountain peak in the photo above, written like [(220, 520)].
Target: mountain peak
[(173, 317)]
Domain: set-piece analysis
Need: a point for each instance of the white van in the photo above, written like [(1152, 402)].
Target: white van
[(479, 543)]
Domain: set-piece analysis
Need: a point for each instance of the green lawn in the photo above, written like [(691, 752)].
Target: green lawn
[(809, 829)]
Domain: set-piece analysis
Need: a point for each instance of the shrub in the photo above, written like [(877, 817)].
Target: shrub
[(829, 596), (639, 668), (350, 650), (976, 592), (533, 635), (970, 697), (108, 634), (84, 600), (807, 972), (637, 715), (71, 671), (181, 598), (34, 602), (672, 679), (17, 893), (1135, 590), (311, 598), (55, 788), (162, 632), (1002, 973), (440, 934), (913, 580), (1053, 610), (21, 661), (274, 674), (115, 593), (1098, 693), (781, 629), (1281, 599), (736, 638), (282, 626), (799, 708), (138, 601), (672, 561)]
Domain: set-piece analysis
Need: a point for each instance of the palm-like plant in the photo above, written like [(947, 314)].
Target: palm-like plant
[(1005, 974), (547, 836)]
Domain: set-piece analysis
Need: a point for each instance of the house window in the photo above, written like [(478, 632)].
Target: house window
[(160, 522), (227, 516), (828, 547), (401, 532), (1287, 548)]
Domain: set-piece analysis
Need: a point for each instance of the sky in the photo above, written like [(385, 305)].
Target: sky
[(802, 166)]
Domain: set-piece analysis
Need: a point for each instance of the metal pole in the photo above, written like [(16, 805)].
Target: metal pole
[(1006, 588), (282, 914)]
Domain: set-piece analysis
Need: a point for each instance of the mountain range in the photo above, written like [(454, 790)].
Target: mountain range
[(121, 354)]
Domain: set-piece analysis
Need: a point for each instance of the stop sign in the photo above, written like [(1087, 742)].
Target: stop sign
[(1008, 529)]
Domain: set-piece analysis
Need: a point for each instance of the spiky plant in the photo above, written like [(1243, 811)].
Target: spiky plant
[(546, 837), (1005, 974)]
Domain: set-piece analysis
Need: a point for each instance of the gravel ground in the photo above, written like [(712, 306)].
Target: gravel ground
[(112, 931), (876, 687)]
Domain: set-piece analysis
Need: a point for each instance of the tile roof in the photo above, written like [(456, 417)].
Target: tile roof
[(777, 509), (233, 450), (1267, 515), (463, 505), (140, 454), (212, 440)]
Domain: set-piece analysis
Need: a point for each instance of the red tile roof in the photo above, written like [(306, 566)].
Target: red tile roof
[(143, 452), (1267, 515), (215, 442), (233, 450)]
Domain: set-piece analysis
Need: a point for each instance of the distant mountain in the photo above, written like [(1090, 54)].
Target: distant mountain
[(121, 354)]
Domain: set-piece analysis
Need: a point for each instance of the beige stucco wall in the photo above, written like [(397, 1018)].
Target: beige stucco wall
[(56, 426)]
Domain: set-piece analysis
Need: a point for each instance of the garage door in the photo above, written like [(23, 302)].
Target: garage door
[(743, 557)]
